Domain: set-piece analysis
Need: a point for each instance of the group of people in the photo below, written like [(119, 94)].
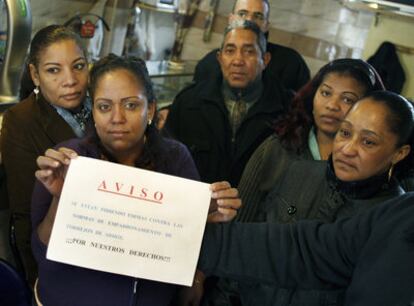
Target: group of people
[(59, 121), (327, 149)]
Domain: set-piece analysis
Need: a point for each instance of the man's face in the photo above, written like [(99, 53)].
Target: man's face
[(253, 10), (240, 59)]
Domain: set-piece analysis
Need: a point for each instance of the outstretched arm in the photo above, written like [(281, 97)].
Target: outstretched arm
[(307, 254)]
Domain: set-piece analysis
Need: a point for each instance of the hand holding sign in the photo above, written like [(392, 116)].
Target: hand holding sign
[(107, 219), (53, 167), (224, 203)]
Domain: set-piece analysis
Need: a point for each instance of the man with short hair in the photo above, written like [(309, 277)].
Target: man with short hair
[(286, 65), (223, 119)]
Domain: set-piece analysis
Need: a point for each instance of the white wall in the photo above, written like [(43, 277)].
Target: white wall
[(399, 31)]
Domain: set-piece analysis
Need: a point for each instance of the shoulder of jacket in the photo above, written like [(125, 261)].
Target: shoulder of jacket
[(170, 144), (211, 54), (24, 111), (189, 89), (276, 48)]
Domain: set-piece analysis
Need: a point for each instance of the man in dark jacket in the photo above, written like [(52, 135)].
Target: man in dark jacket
[(287, 64), (224, 118)]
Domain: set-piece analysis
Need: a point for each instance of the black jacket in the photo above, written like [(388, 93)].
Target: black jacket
[(386, 62), (369, 255), (287, 64), (29, 129), (199, 118)]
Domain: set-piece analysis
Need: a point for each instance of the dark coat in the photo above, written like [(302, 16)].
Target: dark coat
[(29, 128), (385, 60), (199, 118), (310, 190), (322, 196), (369, 256), (4, 198), (286, 63), (279, 186)]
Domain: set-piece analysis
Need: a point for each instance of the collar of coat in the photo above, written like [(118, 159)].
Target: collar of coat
[(53, 124), (275, 98), (361, 189)]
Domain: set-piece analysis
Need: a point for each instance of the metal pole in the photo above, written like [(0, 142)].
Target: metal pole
[(19, 28)]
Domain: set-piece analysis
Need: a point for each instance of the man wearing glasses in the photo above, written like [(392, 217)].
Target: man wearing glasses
[(286, 65)]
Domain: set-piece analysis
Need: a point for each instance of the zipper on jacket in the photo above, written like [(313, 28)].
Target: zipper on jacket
[(134, 300)]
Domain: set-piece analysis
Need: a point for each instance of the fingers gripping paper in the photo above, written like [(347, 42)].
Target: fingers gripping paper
[(129, 221)]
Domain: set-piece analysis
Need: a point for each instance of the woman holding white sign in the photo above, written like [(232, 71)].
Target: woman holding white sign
[(123, 111)]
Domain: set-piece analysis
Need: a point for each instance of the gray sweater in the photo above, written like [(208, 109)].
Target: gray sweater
[(280, 186)]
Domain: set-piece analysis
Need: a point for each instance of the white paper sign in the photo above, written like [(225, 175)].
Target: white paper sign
[(129, 221)]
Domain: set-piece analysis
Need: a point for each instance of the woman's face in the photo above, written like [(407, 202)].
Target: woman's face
[(121, 112), (333, 99), (364, 145), (62, 74)]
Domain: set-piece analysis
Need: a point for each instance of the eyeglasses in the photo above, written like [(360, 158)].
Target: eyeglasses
[(255, 16)]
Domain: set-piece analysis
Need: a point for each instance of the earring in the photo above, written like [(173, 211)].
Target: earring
[(149, 121), (390, 172), (36, 91)]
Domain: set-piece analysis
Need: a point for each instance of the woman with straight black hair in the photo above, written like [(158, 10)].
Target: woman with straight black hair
[(123, 106), (56, 110)]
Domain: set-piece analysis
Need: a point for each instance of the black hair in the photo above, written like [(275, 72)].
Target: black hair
[(400, 121), (112, 62), (40, 41), (150, 158), (247, 25), (48, 36), (293, 128)]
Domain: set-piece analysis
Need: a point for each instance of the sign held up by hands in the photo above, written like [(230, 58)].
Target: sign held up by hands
[(129, 221)]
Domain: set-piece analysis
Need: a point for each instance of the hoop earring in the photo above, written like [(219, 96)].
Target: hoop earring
[(390, 172), (36, 92)]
